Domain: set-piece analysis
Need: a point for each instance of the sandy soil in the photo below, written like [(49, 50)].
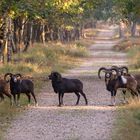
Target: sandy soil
[(92, 122)]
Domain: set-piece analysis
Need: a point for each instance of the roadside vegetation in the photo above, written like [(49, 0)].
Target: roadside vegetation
[(132, 47), (127, 126), (42, 59)]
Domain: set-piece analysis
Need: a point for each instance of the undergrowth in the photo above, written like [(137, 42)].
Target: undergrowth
[(42, 59)]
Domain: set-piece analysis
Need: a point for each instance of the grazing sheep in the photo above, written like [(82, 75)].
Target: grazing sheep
[(4, 90), (18, 85), (116, 81), (64, 85)]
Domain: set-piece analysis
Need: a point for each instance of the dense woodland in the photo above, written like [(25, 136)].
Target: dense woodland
[(24, 22)]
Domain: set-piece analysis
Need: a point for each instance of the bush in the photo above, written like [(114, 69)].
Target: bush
[(42, 59), (134, 55)]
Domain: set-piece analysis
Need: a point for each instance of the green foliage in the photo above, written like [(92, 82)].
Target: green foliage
[(128, 9)]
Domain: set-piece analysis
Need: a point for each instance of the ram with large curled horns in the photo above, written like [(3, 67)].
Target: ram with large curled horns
[(19, 85), (124, 71), (114, 80)]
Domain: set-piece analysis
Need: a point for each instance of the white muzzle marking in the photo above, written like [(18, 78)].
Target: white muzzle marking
[(124, 80)]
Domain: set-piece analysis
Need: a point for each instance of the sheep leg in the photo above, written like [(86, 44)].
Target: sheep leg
[(18, 97), (137, 95), (60, 98), (138, 90), (83, 94), (113, 94), (133, 95), (34, 98), (14, 96), (112, 100), (10, 97), (78, 97), (2, 97), (29, 98), (124, 94)]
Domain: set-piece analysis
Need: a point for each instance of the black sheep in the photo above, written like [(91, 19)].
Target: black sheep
[(64, 85), (18, 85)]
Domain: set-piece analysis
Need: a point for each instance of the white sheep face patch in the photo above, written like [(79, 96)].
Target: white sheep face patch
[(124, 80)]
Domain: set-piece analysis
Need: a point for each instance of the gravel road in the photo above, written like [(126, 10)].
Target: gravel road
[(92, 122)]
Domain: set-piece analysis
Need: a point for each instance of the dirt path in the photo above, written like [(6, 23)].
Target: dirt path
[(92, 122)]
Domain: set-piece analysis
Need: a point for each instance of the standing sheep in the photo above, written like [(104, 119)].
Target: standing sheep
[(18, 85), (115, 81), (64, 85)]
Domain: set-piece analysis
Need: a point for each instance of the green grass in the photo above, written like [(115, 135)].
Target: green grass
[(38, 62)]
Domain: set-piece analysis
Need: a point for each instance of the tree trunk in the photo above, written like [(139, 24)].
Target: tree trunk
[(43, 33), (20, 33), (121, 34), (15, 35), (29, 35), (5, 45), (133, 28), (9, 41)]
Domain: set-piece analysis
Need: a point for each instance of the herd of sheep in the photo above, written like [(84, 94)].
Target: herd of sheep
[(115, 78), (120, 78)]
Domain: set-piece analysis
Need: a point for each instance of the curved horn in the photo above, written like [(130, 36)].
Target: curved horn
[(116, 70), (114, 66), (126, 68), (10, 74), (99, 71), (18, 75)]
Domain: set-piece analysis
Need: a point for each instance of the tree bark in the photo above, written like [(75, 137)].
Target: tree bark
[(43, 33), (133, 28), (121, 34)]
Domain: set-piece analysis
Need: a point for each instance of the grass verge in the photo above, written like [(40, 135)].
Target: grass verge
[(127, 126)]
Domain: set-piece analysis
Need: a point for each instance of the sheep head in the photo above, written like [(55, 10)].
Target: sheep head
[(105, 70), (55, 76), (13, 77), (122, 70), (18, 75), (6, 75)]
